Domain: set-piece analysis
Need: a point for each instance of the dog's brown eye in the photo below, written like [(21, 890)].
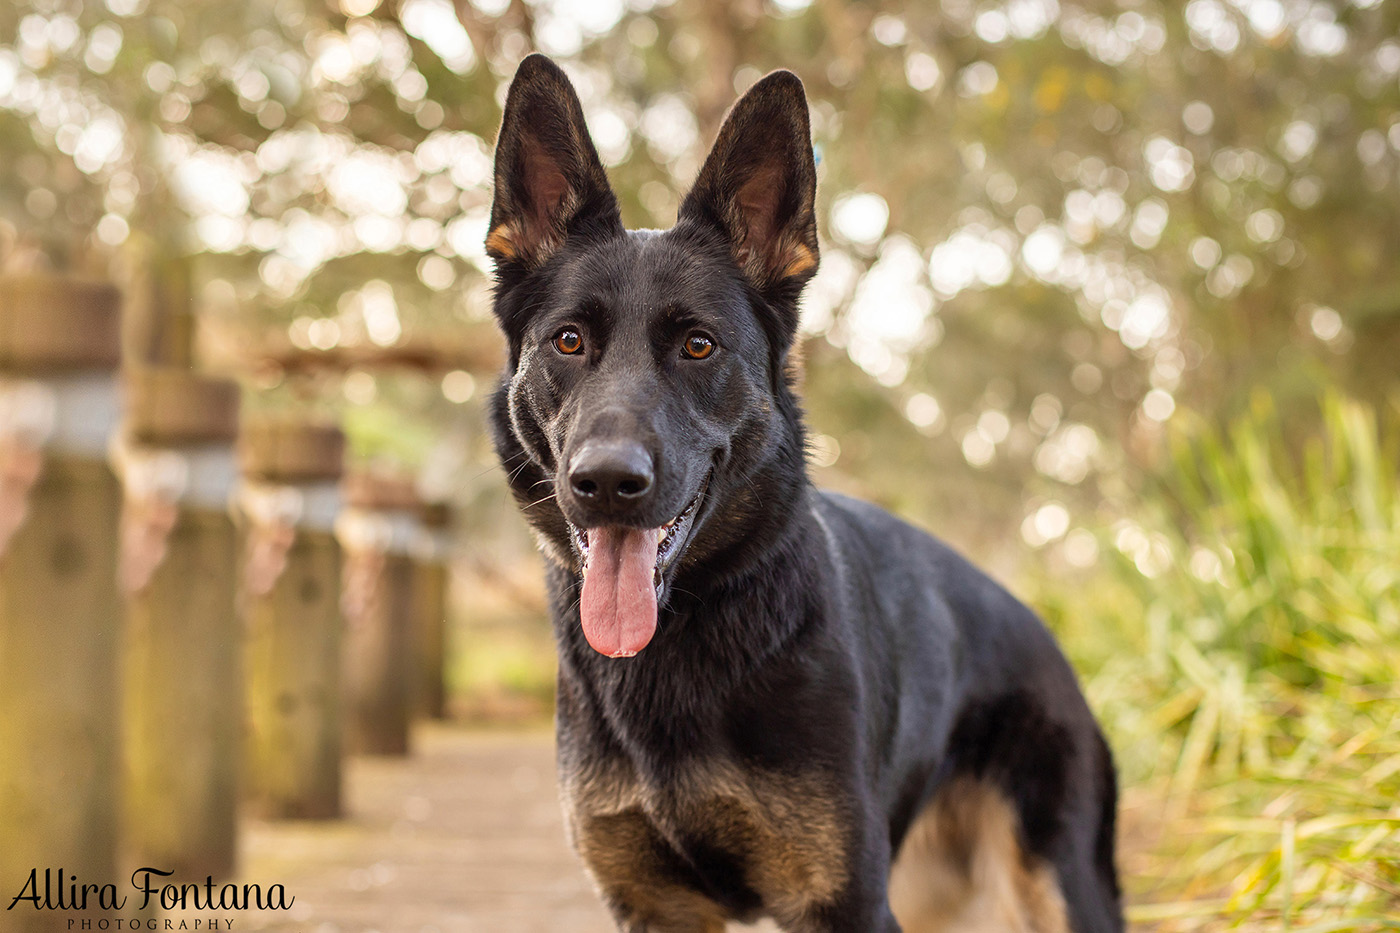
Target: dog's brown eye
[(697, 346), (568, 341)]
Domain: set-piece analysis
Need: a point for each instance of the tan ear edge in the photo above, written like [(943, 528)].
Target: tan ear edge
[(502, 240), (800, 259)]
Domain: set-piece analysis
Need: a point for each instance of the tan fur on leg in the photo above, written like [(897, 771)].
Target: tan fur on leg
[(962, 870)]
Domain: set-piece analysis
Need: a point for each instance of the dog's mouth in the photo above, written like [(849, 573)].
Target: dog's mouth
[(670, 541), (625, 573)]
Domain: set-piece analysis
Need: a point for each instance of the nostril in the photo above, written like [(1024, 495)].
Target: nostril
[(632, 487), (585, 487)]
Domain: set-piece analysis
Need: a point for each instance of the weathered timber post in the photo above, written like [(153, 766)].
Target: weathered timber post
[(434, 604), (379, 531), (60, 613), (178, 567), (291, 499)]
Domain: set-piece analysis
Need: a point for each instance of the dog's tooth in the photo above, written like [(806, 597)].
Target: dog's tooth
[(662, 532)]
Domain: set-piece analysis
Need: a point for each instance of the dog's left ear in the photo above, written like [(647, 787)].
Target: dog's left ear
[(550, 183), (759, 185)]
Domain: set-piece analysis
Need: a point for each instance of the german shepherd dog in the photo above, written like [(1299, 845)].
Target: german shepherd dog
[(772, 701)]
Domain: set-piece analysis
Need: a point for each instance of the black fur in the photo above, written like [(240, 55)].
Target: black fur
[(804, 639)]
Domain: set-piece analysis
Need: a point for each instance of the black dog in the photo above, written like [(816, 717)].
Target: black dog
[(766, 693)]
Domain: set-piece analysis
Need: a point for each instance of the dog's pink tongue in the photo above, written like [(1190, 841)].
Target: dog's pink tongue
[(619, 601)]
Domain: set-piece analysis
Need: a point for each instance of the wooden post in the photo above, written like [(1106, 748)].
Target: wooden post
[(178, 566), (433, 605), (291, 499), (60, 615), (379, 530)]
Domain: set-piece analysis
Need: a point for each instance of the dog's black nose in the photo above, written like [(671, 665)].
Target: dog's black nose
[(611, 474)]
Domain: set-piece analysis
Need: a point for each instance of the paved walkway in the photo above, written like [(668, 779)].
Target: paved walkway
[(463, 837)]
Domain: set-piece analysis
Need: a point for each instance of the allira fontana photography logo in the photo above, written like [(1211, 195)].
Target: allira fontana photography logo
[(53, 889)]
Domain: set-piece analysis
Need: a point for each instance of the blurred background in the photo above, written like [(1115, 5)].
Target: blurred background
[(1109, 298)]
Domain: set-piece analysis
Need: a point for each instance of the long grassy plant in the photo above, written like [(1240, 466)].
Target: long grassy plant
[(1241, 635)]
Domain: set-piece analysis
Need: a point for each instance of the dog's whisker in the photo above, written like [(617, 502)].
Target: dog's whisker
[(517, 471), (757, 495), (694, 596)]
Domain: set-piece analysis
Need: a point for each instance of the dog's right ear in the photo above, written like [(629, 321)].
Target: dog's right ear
[(758, 186), (550, 183)]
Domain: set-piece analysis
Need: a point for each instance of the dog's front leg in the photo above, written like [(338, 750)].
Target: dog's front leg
[(671, 910), (863, 905), (640, 878), (704, 926), (662, 910), (867, 912)]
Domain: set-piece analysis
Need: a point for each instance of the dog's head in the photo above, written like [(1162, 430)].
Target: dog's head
[(645, 401)]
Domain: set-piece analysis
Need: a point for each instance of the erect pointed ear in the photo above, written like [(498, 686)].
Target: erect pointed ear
[(550, 183), (759, 185)]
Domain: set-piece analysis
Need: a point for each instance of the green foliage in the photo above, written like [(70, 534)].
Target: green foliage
[(1245, 632), (380, 431)]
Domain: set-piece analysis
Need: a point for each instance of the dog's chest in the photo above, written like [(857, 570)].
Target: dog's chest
[(743, 837)]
